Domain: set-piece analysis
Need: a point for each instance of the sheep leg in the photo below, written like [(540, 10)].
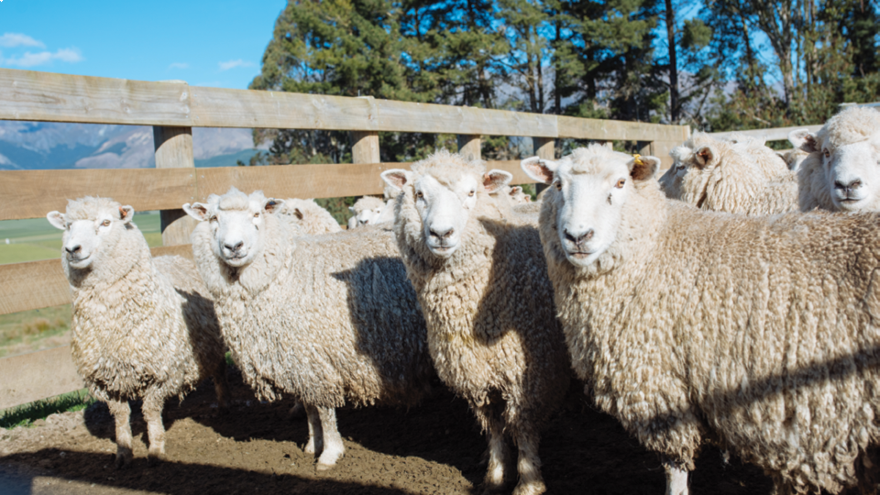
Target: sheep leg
[(529, 464), (221, 386), (121, 415), (155, 429), (676, 478), (333, 446), (316, 435), (497, 449)]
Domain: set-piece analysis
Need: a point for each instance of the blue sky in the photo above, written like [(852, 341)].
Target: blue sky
[(218, 43)]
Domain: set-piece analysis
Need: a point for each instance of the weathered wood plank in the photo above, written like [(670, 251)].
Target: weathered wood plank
[(37, 375), (424, 117), (41, 284), (33, 193), (174, 149), (776, 134), (45, 96), (613, 130)]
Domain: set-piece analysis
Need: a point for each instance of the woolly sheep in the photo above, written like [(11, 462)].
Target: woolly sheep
[(841, 172), (516, 194), (327, 319), (736, 177), (367, 211), (794, 157), (482, 284), (142, 327), (757, 332), (308, 217)]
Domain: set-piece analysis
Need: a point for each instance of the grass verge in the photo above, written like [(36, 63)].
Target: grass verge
[(26, 414)]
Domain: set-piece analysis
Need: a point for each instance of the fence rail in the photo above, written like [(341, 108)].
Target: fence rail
[(173, 108)]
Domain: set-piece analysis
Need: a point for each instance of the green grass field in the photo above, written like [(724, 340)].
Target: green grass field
[(35, 239)]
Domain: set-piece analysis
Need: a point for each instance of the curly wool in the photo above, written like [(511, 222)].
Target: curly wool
[(308, 217), (852, 125), (740, 177), (327, 319), (755, 331), (492, 330), (141, 326)]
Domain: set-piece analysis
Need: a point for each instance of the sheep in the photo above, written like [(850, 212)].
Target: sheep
[(367, 211), (327, 319), (483, 288), (142, 327), (308, 217), (757, 332), (735, 177), (794, 157), (841, 172), (516, 194)]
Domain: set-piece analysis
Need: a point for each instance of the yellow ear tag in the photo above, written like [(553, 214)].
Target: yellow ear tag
[(637, 159)]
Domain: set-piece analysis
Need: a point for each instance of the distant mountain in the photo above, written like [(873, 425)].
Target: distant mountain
[(40, 146)]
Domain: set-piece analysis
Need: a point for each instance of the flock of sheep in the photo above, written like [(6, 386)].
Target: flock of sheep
[(726, 303)]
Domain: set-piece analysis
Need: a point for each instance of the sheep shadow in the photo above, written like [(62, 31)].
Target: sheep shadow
[(19, 473)]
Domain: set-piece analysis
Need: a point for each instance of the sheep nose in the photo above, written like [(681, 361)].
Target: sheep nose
[(586, 236), (854, 184), (74, 249), (234, 248), (442, 234)]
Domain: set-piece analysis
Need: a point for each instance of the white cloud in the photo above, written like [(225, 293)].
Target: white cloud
[(70, 55), (179, 65), (11, 40), (235, 63)]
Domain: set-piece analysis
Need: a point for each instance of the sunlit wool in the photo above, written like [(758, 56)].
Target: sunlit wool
[(741, 176), (327, 319), (142, 327), (492, 331), (308, 217), (757, 332)]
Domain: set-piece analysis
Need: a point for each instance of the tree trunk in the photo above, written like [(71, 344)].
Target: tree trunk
[(673, 66)]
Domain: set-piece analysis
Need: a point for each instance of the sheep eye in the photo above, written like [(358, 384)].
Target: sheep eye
[(420, 195), (106, 223), (471, 194), (620, 183), (827, 153), (558, 186), (257, 215)]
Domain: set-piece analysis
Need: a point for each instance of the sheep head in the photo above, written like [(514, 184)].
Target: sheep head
[(589, 189), (91, 226), (848, 147), (237, 223), (367, 210), (445, 189)]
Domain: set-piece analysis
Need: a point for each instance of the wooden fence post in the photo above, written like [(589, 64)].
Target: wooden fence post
[(469, 146), (366, 147), (544, 148), (174, 149)]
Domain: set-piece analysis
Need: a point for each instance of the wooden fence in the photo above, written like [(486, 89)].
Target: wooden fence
[(173, 109)]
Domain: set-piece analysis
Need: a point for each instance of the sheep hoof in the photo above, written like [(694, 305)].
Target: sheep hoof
[(324, 467), (530, 488), (123, 458), (309, 448)]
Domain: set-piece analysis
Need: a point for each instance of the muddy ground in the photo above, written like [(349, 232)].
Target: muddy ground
[(257, 448)]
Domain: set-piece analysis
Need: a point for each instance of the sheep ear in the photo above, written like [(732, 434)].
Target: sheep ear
[(496, 179), (198, 211), (804, 140), (126, 213), (540, 169), (643, 167), (273, 205), (397, 178), (298, 213), (703, 156), (515, 189), (57, 219)]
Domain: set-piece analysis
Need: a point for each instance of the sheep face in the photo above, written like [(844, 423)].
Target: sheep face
[(852, 171), (366, 217), (591, 187), (445, 203), (94, 226), (236, 224)]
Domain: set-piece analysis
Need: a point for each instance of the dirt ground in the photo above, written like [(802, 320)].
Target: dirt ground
[(256, 448)]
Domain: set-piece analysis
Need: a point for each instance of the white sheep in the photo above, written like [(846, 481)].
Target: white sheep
[(367, 211), (480, 277), (733, 176), (757, 332), (327, 319), (841, 172), (142, 327)]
